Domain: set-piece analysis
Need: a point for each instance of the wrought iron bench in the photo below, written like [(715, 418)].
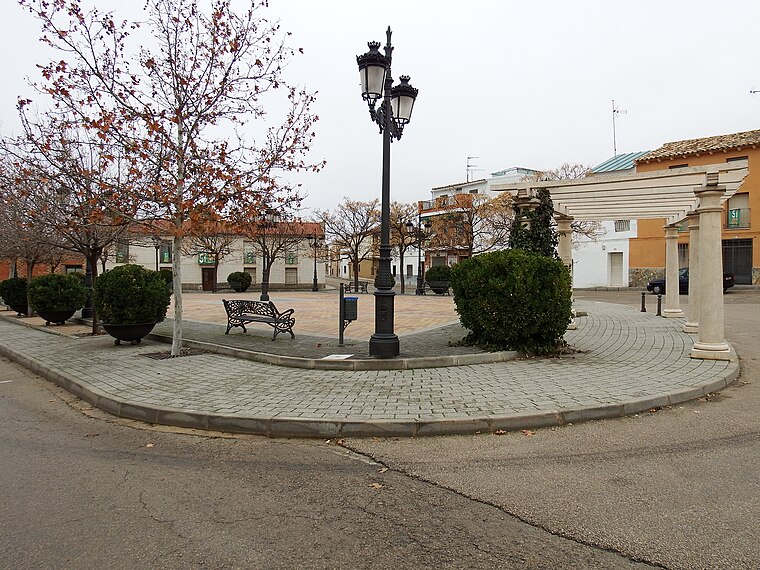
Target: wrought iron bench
[(349, 288), (240, 312)]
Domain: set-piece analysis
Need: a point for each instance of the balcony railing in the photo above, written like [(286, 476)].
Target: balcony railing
[(737, 218), (452, 201)]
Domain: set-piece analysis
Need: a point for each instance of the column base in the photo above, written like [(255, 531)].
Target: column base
[(673, 314), (691, 328), (711, 351)]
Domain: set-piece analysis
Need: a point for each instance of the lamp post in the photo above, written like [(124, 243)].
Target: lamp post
[(316, 241), (421, 232), (391, 116), (157, 245), (267, 220)]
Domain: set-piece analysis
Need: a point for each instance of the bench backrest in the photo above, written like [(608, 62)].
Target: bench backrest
[(238, 307)]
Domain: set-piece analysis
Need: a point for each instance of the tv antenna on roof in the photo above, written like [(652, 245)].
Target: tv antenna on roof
[(471, 167), (615, 112)]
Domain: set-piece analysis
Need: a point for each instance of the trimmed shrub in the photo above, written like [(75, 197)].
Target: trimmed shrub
[(131, 294), (13, 292), (513, 300), (57, 293), (239, 281), (167, 276), (438, 278)]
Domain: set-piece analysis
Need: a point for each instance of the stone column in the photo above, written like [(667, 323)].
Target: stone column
[(711, 345), (565, 251), (691, 325), (672, 301)]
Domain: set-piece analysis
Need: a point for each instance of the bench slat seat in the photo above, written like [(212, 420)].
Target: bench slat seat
[(242, 312)]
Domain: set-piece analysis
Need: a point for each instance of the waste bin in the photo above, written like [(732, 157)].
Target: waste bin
[(350, 308)]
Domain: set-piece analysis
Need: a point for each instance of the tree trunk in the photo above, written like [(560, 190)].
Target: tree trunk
[(401, 270), (177, 286), (29, 275), (355, 263), (93, 261)]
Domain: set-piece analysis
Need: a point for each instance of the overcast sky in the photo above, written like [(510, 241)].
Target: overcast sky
[(514, 83)]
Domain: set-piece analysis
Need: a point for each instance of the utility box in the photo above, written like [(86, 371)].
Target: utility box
[(350, 308)]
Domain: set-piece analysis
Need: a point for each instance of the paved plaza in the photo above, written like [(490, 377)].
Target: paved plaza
[(623, 362)]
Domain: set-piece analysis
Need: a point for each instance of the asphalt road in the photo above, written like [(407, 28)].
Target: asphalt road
[(83, 491), (678, 487)]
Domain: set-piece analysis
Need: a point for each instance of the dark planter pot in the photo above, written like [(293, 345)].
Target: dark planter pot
[(57, 317), (129, 333), (439, 287), (20, 309)]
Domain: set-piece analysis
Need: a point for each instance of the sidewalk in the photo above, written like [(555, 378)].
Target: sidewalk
[(629, 362)]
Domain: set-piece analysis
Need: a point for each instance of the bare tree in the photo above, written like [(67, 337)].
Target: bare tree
[(179, 104), (350, 226), (473, 223), (401, 239)]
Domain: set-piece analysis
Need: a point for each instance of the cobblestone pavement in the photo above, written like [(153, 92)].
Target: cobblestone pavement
[(628, 362)]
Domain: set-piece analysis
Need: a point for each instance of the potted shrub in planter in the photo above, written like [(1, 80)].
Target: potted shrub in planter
[(438, 279), (13, 292), (239, 281), (57, 297), (130, 300)]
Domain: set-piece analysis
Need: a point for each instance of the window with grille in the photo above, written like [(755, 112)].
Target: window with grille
[(122, 252), (622, 225), (165, 253), (291, 256), (249, 254), (291, 275), (683, 255)]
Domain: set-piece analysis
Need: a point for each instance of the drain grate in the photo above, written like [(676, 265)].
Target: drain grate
[(167, 353)]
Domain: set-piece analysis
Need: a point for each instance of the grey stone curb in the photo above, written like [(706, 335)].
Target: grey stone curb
[(327, 428), (351, 364)]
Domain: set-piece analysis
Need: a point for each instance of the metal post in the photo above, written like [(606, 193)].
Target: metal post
[(420, 268), (659, 305), (643, 302), (341, 316), (315, 285), (384, 342), (157, 247)]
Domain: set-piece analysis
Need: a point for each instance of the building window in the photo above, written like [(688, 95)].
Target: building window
[(737, 215), (165, 252), (678, 166), (122, 252), (474, 191), (74, 269), (249, 254), (409, 269), (291, 256), (205, 258), (736, 158), (252, 272), (622, 225), (291, 275)]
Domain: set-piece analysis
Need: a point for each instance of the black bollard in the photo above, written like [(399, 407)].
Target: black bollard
[(643, 302), (659, 305)]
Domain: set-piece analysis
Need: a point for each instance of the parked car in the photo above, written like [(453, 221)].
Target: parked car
[(657, 286)]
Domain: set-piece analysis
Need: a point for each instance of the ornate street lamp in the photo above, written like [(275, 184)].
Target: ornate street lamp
[(267, 220), (422, 233), (316, 241), (393, 114), (157, 245)]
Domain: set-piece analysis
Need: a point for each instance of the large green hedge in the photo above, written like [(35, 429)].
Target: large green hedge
[(131, 294), (57, 292), (513, 300)]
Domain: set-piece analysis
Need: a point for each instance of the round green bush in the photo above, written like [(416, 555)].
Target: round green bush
[(13, 292), (56, 292), (239, 281), (131, 294), (166, 275), (513, 300), (438, 273)]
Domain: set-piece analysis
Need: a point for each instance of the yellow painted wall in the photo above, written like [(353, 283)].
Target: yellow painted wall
[(648, 248)]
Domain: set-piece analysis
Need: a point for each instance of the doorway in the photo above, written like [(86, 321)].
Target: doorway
[(616, 268), (207, 277), (737, 259)]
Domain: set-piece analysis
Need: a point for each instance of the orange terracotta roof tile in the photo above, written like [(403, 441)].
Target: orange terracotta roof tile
[(677, 149)]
